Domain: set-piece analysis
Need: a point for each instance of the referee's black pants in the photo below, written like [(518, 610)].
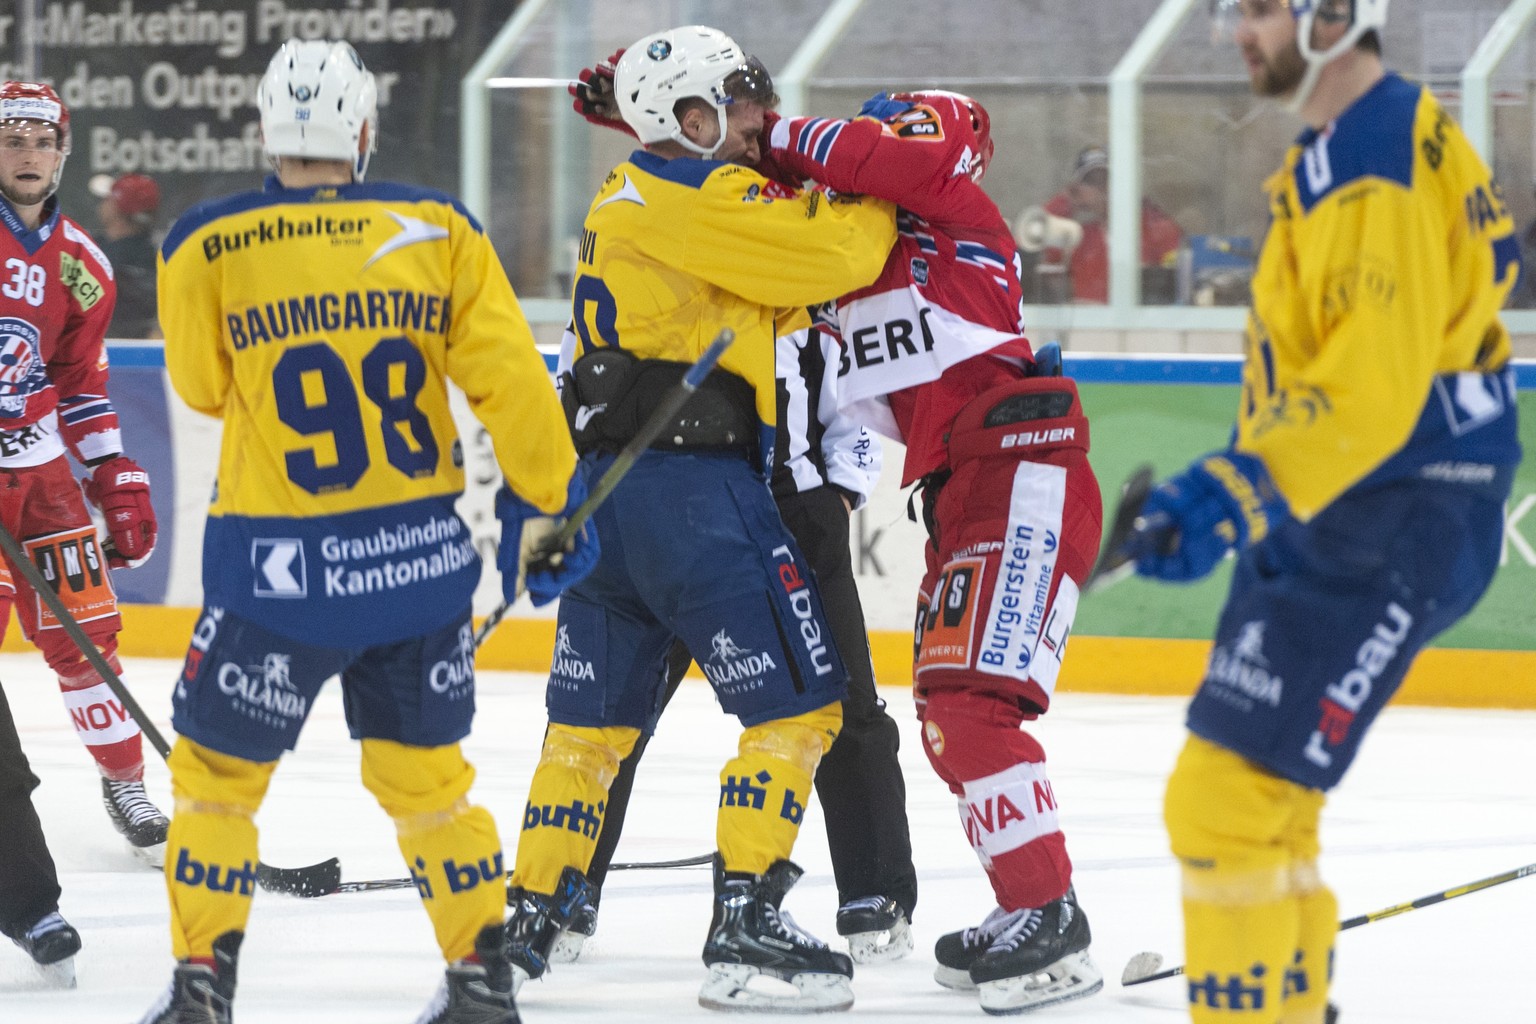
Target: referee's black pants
[(859, 782), (29, 884)]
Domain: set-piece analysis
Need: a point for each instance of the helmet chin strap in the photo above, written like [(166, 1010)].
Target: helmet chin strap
[(1316, 60), (681, 137)]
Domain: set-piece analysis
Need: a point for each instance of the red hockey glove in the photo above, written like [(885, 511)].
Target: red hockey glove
[(769, 167), (593, 95), (120, 488)]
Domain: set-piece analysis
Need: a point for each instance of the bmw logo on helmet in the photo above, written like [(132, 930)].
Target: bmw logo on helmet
[(302, 94), (659, 50)]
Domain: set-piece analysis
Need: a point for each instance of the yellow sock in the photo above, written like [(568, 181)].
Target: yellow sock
[(210, 853), (566, 802), (451, 847), (764, 788), (1306, 989), (1237, 830), (1307, 983)]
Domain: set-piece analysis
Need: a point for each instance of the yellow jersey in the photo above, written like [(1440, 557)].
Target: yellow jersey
[(321, 325), (674, 250), (1388, 257)]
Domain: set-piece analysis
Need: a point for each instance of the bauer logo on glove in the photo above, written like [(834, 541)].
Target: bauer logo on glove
[(120, 488)]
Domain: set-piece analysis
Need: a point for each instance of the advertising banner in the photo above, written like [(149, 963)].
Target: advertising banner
[(1163, 424), (167, 88)]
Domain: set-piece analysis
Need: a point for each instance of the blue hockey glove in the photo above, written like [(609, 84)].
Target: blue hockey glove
[(1047, 360), (526, 555), (882, 107), (1224, 500)]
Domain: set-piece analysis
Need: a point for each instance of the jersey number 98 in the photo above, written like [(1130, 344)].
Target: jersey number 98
[(316, 396)]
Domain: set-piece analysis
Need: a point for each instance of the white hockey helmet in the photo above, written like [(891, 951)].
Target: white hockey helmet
[(316, 99), (1362, 15), (692, 61)]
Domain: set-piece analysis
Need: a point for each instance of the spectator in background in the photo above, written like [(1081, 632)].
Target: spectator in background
[(127, 215), (1524, 295), (1086, 200)]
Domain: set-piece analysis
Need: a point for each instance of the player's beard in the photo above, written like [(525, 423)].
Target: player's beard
[(1280, 76), (27, 193)]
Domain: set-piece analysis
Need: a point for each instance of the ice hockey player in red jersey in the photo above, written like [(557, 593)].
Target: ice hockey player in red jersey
[(934, 354), (56, 299)]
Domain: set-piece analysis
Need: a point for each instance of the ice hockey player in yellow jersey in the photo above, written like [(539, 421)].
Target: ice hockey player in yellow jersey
[(1364, 490), (321, 319), (683, 239)]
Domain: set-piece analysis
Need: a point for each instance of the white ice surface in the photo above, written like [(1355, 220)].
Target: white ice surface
[(1438, 798)]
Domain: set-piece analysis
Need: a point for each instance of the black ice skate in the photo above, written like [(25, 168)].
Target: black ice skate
[(139, 821), (1039, 959), (478, 990), (750, 937), (876, 929), (199, 993), (537, 921), (573, 939), (52, 944), (957, 951)]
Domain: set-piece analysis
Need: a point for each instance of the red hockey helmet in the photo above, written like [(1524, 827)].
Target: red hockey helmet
[(981, 124), (34, 101), (24, 105)]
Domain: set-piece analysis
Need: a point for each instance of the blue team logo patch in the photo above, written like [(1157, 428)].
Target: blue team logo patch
[(22, 373), (659, 50), (279, 567), (919, 270)]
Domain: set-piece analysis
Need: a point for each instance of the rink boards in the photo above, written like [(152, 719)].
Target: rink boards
[(1132, 638)]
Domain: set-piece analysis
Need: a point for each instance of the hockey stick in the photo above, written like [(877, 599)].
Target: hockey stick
[(649, 431), (275, 879), (670, 405), (1143, 967), (383, 884), (1114, 562)]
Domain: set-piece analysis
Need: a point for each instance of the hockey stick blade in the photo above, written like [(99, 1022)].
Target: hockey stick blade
[(671, 403), (1143, 967), (293, 877), (320, 879), (1114, 563), (326, 887)]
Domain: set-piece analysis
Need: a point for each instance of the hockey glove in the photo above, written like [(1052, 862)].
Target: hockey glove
[(120, 488), (526, 555), (1224, 500), (882, 107), (1047, 360), (593, 98)]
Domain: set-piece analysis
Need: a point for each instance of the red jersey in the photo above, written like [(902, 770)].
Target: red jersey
[(944, 320), (56, 299)]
